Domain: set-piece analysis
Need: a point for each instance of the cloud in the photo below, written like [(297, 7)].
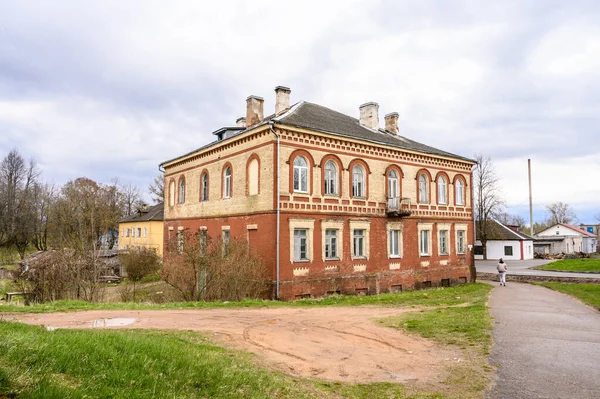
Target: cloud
[(114, 88)]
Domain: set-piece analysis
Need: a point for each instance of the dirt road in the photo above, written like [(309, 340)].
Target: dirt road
[(341, 344)]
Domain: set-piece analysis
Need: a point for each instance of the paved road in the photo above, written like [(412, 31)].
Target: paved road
[(523, 267), (546, 344)]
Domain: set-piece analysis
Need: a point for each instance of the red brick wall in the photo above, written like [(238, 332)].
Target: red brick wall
[(377, 278)]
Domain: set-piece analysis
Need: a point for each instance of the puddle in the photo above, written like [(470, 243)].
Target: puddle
[(116, 322)]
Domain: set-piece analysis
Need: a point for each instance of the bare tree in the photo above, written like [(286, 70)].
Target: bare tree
[(157, 189), (130, 197), (559, 212), (17, 209), (511, 219), (488, 201), (201, 268)]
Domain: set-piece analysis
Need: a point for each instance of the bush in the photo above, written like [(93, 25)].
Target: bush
[(138, 264), (202, 268)]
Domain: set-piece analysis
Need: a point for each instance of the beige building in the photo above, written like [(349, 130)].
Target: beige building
[(144, 229)]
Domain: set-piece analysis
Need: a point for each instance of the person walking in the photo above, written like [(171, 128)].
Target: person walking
[(502, 270)]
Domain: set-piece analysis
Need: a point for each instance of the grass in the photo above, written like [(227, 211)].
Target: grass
[(573, 265), (37, 363), (587, 293), (433, 297)]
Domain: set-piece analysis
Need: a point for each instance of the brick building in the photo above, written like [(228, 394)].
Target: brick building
[(332, 203)]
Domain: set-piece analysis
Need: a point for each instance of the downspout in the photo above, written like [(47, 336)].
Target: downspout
[(278, 211)]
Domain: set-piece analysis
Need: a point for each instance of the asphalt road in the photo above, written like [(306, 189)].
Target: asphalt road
[(546, 344), (523, 267)]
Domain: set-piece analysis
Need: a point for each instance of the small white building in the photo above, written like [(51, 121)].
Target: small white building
[(565, 238), (504, 242)]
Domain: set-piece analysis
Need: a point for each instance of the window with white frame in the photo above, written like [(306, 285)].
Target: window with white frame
[(331, 244), (424, 237), (127, 233), (253, 177), (423, 192), (181, 191), (145, 232), (227, 182), (139, 229), (393, 186), (358, 238), (331, 178), (204, 188), (442, 190), (460, 192), (443, 237), (358, 181), (300, 175), (394, 243), (300, 245), (460, 241)]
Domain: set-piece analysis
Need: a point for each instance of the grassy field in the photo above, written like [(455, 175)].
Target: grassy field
[(37, 363), (573, 265), (433, 297), (588, 293)]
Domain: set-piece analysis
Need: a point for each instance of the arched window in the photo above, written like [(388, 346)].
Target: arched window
[(300, 175), (204, 187), (227, 182), (423, 191), (441, 188), (172, 193), (393, 186), (459, 187), (253, 177), (358, 181), (181, 191), (331, 178)]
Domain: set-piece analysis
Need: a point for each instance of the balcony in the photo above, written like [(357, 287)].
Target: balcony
[(398, 207)]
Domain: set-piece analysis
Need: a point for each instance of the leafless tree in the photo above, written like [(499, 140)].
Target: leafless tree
[(157, 189), (201, 268), (559, 212), (488, 201), (129, 197), (17, 209), (511, 219)]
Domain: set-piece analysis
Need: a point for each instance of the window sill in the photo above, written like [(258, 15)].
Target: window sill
[(444, 254), (359, 258), (226, 198), (394, 257), (332, 259), (301, 261), (460, 253), (360, 198), (301, 192), (424, 255)]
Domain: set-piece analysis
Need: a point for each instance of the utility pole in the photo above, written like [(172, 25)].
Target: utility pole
[(530, 200)]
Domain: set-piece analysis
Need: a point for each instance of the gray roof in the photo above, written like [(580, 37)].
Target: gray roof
[(499, 231), (154, 213), (316, 117)]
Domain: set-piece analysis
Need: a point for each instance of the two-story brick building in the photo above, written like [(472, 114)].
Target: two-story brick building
[(331, 202)]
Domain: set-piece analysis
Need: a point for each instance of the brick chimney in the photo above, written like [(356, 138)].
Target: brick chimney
[(240, 122), (369, 115), (391, 123), (282, 99), (254, 110)]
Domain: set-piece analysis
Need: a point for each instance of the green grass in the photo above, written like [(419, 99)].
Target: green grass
[(37, 363), (433, 297), (588, 293), (573, 265)]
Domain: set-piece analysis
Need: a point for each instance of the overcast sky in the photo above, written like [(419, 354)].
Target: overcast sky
[(112, 88)]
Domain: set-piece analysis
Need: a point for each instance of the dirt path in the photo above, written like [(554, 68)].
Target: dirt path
[(341, 344)]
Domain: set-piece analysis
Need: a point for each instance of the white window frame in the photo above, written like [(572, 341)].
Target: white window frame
[(360, 225), (394, 228), (227, 182), (424, 233), (423, 189), (332, 224), (394, 242), (393, 184), (309, 225), (300, 169), (358, 243), (358, 182), (139, 232), (460, 228), (442, 187), (330, 184), (443, 247), (300, 239), (460, 192), (145, 232), (204, 186), (331, 244)]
